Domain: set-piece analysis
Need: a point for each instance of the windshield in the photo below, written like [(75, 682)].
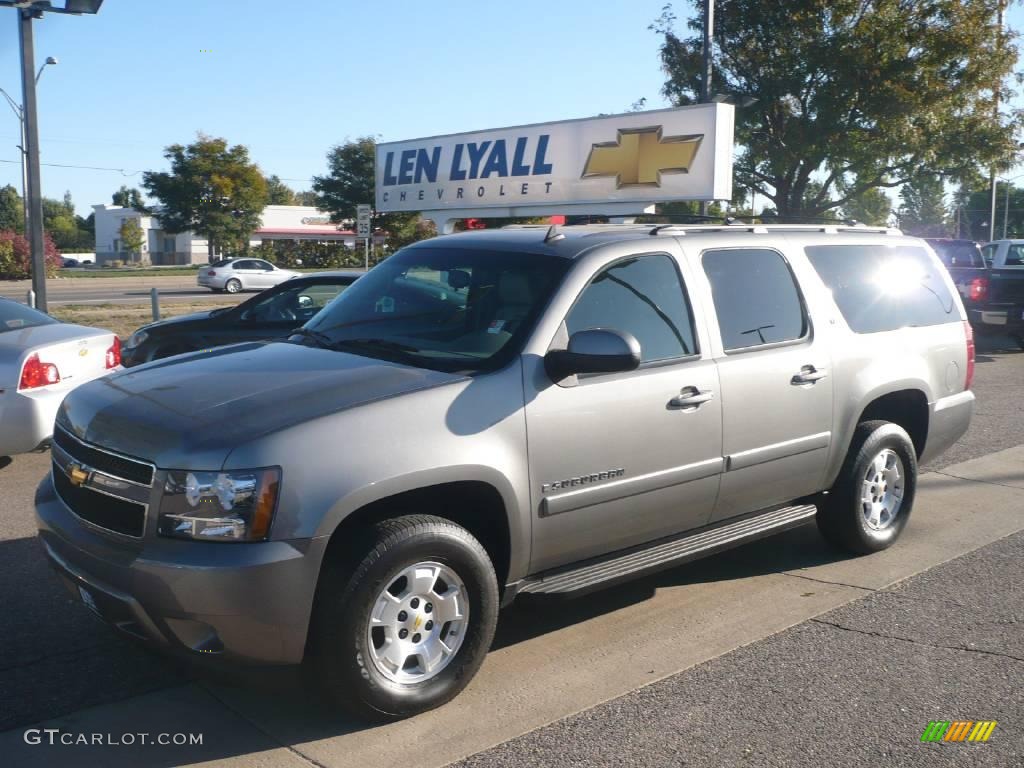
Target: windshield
[(14, 316), (447, 309), (957, 253)]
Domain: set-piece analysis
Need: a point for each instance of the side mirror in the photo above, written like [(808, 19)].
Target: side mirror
[(597, 350)]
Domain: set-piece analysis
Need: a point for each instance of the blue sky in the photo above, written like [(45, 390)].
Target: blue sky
[(291, 79)]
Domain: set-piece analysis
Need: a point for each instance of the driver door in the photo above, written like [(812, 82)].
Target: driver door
[(617, 460)]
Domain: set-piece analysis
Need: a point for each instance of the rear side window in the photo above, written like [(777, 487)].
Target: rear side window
[(1015, 256), (642, 296), (880, 288), (756, 298), (957, 254)]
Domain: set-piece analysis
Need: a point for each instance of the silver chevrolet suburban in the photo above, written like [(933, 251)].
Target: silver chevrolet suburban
[(502, 412)]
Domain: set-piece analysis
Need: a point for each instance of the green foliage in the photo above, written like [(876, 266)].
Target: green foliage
[(128, 198), (12, 212), (308, 197), (132, 236), (351, 181), (212, 189), (291, 254), (872, 207), (973, 209), (923, 209), (279, 193), (866, 93)]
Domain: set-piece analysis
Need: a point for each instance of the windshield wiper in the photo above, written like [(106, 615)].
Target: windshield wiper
[(385, 344), (320, 339)]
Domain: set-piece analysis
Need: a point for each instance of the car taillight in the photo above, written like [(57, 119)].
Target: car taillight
[(969, 332), (978, 289), (211, 273), (114, 354), (35, 373)]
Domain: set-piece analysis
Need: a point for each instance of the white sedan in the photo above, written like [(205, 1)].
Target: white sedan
[(234, 275), (41, 360)]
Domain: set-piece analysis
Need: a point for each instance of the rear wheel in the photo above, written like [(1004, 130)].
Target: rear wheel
[(871, 501), (233, 285), (404, 619)]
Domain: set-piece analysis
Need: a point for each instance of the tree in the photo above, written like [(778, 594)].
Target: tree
[(866, 93), (923, 209), (212, 189), (132, 237), (128, 198), (872, 207), (351, 181), (307, 197), (16, 256), (279, 193), (12, 210)]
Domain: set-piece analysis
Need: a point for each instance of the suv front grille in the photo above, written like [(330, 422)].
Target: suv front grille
[(118, 466), (114, 514)]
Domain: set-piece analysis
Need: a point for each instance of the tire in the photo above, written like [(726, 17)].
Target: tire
[(233, 285), (350, 657), (849, 518)]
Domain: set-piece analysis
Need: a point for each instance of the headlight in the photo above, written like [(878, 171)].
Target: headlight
[(219, 506), (137, 339)]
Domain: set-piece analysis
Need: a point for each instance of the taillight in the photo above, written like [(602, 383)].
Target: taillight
[(114, 354), (978, 289), (211, 273), (35, 373), (969, 332)]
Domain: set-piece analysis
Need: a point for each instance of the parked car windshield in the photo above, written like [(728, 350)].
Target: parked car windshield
[(14, 316), (446, 309)]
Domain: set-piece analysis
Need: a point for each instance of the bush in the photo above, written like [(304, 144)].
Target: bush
[(290, 254), (114, 263), (16, 256)]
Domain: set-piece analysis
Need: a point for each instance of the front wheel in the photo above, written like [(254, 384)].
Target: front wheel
[(404, 619), (869, 505)]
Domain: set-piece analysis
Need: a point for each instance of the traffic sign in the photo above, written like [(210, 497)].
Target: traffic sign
[(363, 220)]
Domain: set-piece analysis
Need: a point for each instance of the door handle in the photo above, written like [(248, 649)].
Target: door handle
[(808, 375), (691, 397)]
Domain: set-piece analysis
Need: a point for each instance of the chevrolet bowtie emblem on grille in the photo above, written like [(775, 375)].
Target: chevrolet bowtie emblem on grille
[(639, 156), (77, 475)]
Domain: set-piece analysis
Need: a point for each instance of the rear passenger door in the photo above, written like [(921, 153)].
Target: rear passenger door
[(774, 373), (622, 459)]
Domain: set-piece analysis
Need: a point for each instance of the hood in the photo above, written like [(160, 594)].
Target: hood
[(190, 412), (177, 322)]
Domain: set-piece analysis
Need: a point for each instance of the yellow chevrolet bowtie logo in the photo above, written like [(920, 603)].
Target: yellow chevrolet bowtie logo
[(640, 155), (77, 475), (416, 624)]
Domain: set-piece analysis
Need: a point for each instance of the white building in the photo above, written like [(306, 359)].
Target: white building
[(278, 222)]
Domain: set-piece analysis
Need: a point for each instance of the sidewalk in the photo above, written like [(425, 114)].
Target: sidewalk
[(551, 662)]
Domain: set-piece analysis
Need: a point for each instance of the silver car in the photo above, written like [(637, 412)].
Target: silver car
[(500, 412), (234, 275), (41, 360)]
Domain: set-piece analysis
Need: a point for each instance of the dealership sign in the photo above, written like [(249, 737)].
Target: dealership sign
[(641, 157)]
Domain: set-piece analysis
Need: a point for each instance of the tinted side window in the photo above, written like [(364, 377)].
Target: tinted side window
[(244, 264), (883, 288), (756, 299), (1015, 256), (642, 296)]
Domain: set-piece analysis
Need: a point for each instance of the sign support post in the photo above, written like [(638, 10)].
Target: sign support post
[(363, 229)]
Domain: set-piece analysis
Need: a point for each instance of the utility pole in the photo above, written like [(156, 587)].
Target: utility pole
[(706, 60), (32, 176), (995, 112)]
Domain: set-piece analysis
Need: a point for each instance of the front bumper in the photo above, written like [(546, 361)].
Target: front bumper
[(247, 602)]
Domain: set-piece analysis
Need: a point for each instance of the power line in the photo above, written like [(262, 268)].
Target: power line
[(122, 171)]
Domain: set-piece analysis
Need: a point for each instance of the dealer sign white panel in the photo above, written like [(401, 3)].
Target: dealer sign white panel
[(669, 154)]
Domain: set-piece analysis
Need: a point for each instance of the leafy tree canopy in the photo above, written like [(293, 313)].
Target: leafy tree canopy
[(12, 212), (350, 181), (858, 94), (128, 198), (132, 236), (279, 193), (212, 189), (923, 209)]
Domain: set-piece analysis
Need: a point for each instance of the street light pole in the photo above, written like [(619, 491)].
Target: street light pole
[(706, 65), (30, 132)]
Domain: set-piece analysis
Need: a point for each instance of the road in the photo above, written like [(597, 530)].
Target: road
[(780, 653), (109, 290)]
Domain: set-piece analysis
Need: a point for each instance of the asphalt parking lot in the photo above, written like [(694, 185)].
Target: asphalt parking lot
[(777, 653)]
